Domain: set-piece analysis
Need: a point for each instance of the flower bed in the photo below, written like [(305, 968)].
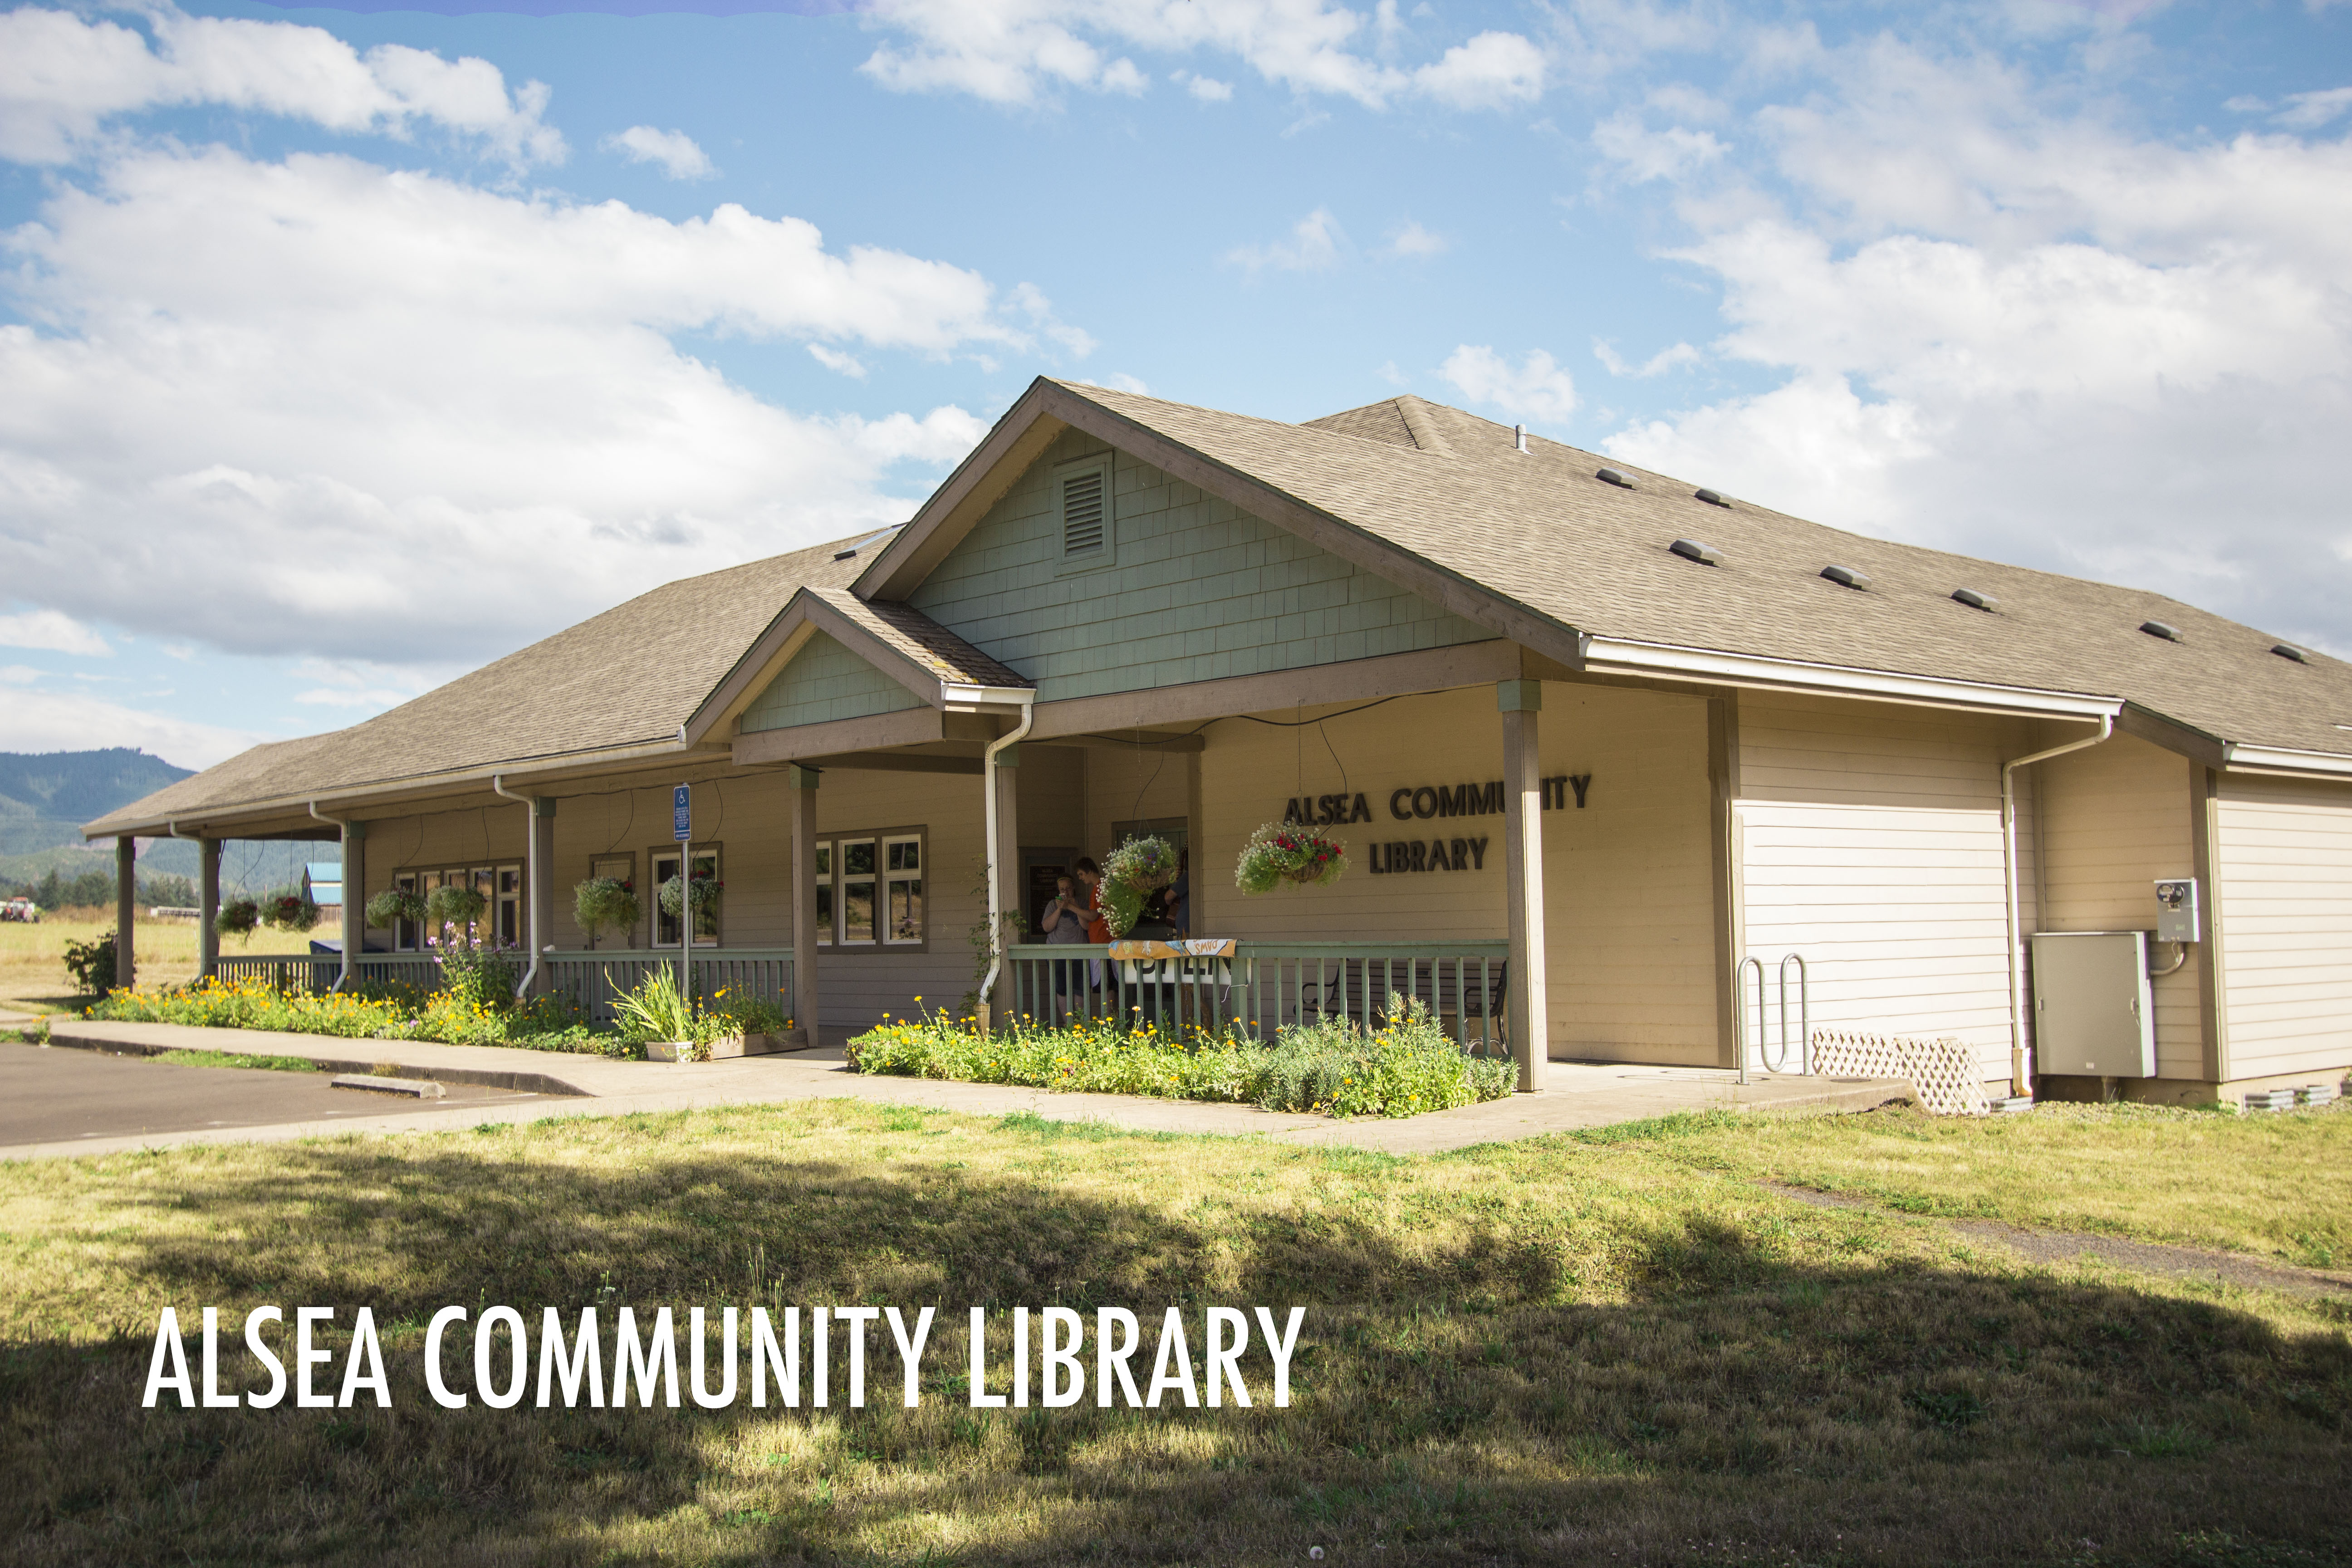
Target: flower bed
[(1403, 1068), (379, 1014)]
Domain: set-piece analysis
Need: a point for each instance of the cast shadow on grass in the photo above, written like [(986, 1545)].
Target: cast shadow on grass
[(1462, 1395)]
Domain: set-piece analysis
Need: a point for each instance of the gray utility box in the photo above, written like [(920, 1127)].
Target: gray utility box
[(2093, 1014)]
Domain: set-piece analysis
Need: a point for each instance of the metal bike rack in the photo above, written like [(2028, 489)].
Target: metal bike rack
[(1774, 1060)]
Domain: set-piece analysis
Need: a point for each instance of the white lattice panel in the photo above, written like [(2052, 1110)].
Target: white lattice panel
[(1943, 1071)]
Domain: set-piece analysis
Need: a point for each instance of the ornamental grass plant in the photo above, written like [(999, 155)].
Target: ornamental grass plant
[(1403, 1067)]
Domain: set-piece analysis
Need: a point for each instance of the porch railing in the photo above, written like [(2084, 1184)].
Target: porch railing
[(590, 980), (1268, 986), (318, 972)]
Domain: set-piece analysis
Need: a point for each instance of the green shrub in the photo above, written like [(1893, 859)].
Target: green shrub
[(91, 964)]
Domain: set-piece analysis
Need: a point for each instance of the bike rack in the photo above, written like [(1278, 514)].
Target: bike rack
[(1774, 1060)]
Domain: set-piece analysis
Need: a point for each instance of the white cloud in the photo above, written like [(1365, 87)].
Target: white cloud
[(1020, 51), (1535, 391), (1207, 88), (1414, 240), (262, 407), (50, 630), (1665, 360), (47, 721), (2310, 110), (1493, 70), (63, 78), (19, 674), (1128, 383), (675, 150), (1643, 154), (835, 360), (1313, 246)]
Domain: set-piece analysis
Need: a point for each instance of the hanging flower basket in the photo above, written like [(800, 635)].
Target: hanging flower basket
[(393, 905), (237, 917), (706, 895), (454, 904), (605, 903), (1279, 853), (290, 910), (1131, 874)]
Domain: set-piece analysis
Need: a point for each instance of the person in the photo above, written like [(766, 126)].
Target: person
[(1097, 924), (1179, 899), (1064, 921)]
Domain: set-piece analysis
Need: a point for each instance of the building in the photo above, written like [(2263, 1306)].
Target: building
[(1634, 731)]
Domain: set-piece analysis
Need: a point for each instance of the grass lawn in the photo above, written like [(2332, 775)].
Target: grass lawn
[(1588, 1349), (33, 957), (2276, 1185)]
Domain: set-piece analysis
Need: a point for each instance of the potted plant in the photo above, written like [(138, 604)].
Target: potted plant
[(657, 1016), (393, 905), (605, 903), (1131, 874), (454, 904), (289, 910), (1279, 853), (236, 918)]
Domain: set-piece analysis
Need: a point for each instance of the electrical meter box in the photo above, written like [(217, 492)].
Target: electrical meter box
[(2093, 1014), (2176, 910)]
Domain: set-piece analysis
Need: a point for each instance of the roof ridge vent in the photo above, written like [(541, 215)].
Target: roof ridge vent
[(1692, 550), (1611, 477), (1975, 600), (2288, 651), (1421, 427), (2164, 629), (1846, 575)]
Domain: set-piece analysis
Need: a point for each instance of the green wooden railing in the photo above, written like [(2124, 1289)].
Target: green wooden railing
[(1268, 986), (318, 972), (590, 980)]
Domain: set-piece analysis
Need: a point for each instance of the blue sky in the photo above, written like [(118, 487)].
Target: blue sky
[(343, 350)]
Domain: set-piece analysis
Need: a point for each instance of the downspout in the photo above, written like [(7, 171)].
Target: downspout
[(536, 939), (343, 847), (995, 883), (2020, 1081)]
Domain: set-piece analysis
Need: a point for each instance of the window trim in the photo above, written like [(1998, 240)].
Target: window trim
[(829, 939), (1105, 554)]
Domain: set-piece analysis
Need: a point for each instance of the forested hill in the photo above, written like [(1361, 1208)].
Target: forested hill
[(73, 787)]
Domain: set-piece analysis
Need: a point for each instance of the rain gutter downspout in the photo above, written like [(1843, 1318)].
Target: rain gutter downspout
[(2020, 1080), (344, 849), (995, 883), (530, 876)]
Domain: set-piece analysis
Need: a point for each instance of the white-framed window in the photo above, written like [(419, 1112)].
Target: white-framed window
[(1084, 524), (870, 889), (501, 890), (662, 863)]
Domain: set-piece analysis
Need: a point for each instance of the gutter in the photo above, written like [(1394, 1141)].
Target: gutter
[(1027, 698), (2021, 1079), (2283, 760), (1613, 655), (529, 878), (344, 977)]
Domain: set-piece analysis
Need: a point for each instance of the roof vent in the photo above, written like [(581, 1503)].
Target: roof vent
[(2160, 629), (1976, 600), (1692, 550), (1847, 575), (869, 539), (2288, 651), (1711, 497), (1611, 477), (1519, 436)]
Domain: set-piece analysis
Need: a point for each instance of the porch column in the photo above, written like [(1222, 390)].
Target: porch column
[(1527, 1010), (802, 784), (208, 906), (355, 836), (1010, 896), (538, 898), (126, 891)]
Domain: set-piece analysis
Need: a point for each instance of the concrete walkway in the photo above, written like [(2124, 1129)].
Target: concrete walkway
[(1583, 1095)]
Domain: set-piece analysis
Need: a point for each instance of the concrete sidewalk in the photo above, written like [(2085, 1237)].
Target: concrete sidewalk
[(1583, 1095)]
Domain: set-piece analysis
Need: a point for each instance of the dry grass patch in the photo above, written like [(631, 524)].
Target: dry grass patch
[(2272, 1184), (33, 957), (1554, 1352)]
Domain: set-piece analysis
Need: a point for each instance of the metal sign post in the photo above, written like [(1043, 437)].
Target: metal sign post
[(681, 826)]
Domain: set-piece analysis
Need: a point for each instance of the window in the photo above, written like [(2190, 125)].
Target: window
[(869, 890), (501, 890), (1082, 510), (622, 868), (663, 863), (509, 906), (407, 935)]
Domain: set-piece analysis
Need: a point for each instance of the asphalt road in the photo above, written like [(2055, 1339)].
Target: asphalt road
[(52, 1095)]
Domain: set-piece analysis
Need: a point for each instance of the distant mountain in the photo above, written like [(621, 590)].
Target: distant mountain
[(46, 797)]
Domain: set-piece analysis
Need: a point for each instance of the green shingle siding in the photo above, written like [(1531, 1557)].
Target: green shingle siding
[(1196, 590), (826, 682)]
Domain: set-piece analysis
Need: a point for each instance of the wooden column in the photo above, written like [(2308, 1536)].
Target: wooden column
[(1528, 1009), (126, 892), (538, 915), (801, 784), (1010, 895), (208, 851), (354, 901)]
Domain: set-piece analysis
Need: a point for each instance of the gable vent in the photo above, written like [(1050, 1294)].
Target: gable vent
[(2288, 651), (1692, 550), (1847, 575), (2160, 629), (1611, 477), (1975, 600), (1711, 497), (1081, 512)]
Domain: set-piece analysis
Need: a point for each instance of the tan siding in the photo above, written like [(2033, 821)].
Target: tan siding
[(1627, 894), (2117, 817), (1871, 844), (745, 815), (2285, 910), (858, 988)]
